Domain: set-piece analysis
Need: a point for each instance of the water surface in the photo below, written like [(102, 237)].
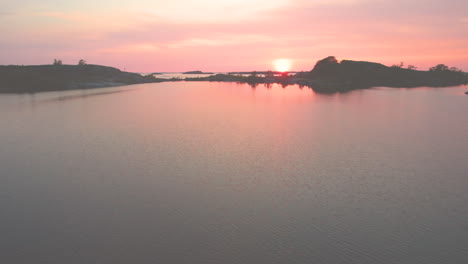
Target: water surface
[(223, 173)]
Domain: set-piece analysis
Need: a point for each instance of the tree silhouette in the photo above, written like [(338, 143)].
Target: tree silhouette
[(82, 62), (269, 74), (439, 68), (57, 62)]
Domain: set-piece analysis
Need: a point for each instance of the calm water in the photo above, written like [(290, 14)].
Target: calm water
[(222, 173), (179, 75)]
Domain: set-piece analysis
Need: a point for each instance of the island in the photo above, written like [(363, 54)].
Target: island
[(197, 72), (328, 76), (331, 76), (39, 78)]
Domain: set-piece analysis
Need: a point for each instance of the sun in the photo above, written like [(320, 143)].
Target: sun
[(282, 65)]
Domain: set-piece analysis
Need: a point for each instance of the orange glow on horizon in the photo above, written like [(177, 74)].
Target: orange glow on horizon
[(282, 65)]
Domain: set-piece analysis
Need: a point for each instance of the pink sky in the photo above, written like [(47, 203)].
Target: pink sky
[(232, 35)]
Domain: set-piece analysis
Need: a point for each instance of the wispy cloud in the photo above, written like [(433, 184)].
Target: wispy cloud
[(132, 48), (206, 11), (226, 40), (235, 34)]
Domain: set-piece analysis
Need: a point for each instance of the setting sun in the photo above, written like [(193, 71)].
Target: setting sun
[(282, 65)]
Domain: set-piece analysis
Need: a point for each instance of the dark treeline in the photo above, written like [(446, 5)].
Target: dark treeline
[(30, 79), (328, 76)]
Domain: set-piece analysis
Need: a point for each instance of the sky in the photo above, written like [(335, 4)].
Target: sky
[(233, 35)]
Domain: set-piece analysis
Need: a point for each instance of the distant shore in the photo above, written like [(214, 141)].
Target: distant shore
[(197, 72), (40, 78), (328, 76), (331, 76)]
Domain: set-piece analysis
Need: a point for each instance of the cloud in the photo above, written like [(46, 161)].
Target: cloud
[(209, 10), (132, 48), (226, 40), (339, 3)]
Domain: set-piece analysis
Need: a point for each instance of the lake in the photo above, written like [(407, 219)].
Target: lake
[(198, 172)]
